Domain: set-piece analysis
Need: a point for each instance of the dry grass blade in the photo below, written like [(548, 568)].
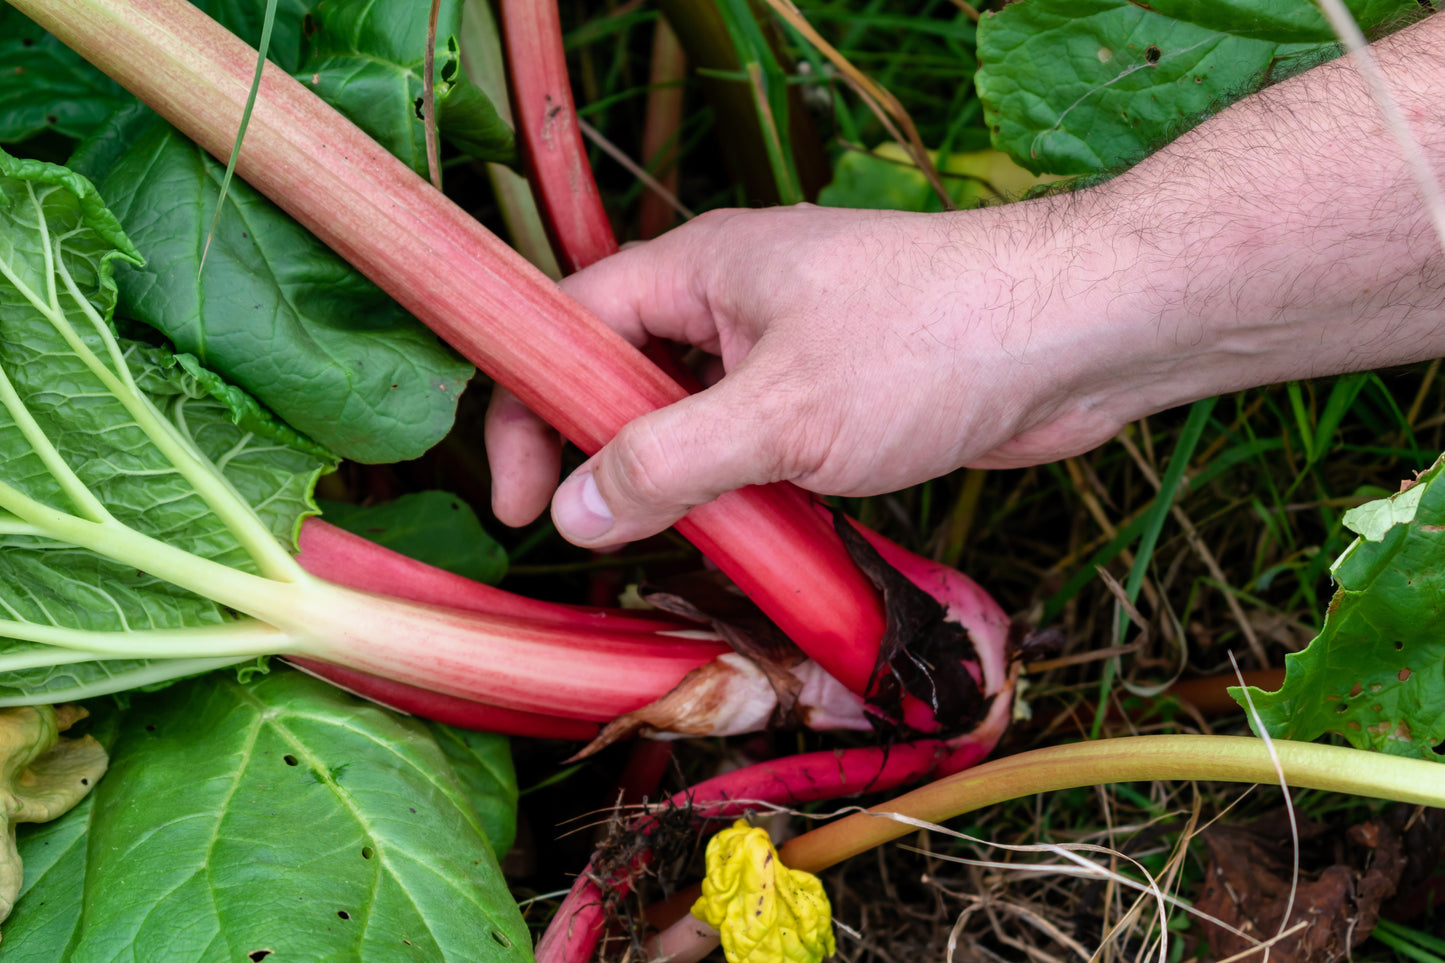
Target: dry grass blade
[(1075, 865), (1259, 727), (892, 114), (1191, 535), (635, 169), (428, 97)]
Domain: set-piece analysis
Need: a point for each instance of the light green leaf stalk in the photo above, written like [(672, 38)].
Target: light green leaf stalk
[(127, 531)]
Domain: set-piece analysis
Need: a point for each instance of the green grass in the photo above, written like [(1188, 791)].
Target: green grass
[(1238, 562)]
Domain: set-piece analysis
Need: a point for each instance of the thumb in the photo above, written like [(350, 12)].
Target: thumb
[(664, 463)]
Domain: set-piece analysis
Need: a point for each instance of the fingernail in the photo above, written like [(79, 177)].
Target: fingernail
[(579, 510)]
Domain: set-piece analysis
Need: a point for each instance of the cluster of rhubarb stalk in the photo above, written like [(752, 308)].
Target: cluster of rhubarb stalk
[(478, 295)]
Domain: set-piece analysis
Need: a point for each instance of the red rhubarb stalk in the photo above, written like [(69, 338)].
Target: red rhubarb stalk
[(452, 710), (469, 287), (339, 556), (552, 145), (578, 924), (573, 934), (555, 153)]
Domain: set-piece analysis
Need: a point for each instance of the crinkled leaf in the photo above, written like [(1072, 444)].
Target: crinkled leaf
[(1376, 673), (764, 911), (433, 527), (1277, 20), (1086, 86), (42, 777), (283, 815), (274, 311), (52, 583), (45, 86), (365, 59)]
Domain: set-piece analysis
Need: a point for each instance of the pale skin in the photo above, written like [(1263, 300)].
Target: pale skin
[(868, 351)]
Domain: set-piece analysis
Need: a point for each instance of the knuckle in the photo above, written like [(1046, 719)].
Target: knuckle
[(643, 469), (796, 428)]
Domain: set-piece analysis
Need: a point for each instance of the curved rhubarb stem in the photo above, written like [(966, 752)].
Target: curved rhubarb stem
[(790, 781), (551, 140), (573, 934), (469, 287), (1302, 765)]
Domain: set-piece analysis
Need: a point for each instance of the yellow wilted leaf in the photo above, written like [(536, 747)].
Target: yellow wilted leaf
[(765, 912)]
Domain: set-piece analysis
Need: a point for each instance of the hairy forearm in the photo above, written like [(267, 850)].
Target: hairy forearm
[(1285, 238)]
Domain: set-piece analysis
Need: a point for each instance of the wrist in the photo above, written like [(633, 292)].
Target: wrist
[(1285, 238)]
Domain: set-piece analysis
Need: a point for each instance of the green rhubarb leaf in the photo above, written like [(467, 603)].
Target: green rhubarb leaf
[(887, 179), (45, 86), (274, 311), (482, 762), (84, 416), (281, 816), (46, 920), (1375, 675), (1090, 86), (365, 59), (433, 527)]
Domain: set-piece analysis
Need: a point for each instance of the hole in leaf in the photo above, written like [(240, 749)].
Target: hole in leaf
[(289, 759), (1342, 708), (367, 852), (501, 940), (1399, 646), (150, 728), (343, 914), (27, 41), (1152, 54), (84, 781), (259, 955)]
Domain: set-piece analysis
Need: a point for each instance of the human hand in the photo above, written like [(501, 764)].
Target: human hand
[(864, 351), (867, 351)]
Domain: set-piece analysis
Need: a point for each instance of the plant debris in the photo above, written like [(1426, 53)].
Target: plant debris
[(1347, 874)]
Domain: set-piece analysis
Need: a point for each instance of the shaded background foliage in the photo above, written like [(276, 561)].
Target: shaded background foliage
[(1241, 563)]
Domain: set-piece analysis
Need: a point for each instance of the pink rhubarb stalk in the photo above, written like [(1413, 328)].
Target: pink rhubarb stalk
[(577, 926), (339, 556), (573, 934), (452, 710), (551, 140), (510, 662), (469, 287)]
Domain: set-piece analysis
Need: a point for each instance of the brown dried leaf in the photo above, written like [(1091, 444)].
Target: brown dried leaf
[(1344, 879), (728, 695)]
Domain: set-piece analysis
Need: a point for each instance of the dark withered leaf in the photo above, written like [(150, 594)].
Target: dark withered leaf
[(922, 653)]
